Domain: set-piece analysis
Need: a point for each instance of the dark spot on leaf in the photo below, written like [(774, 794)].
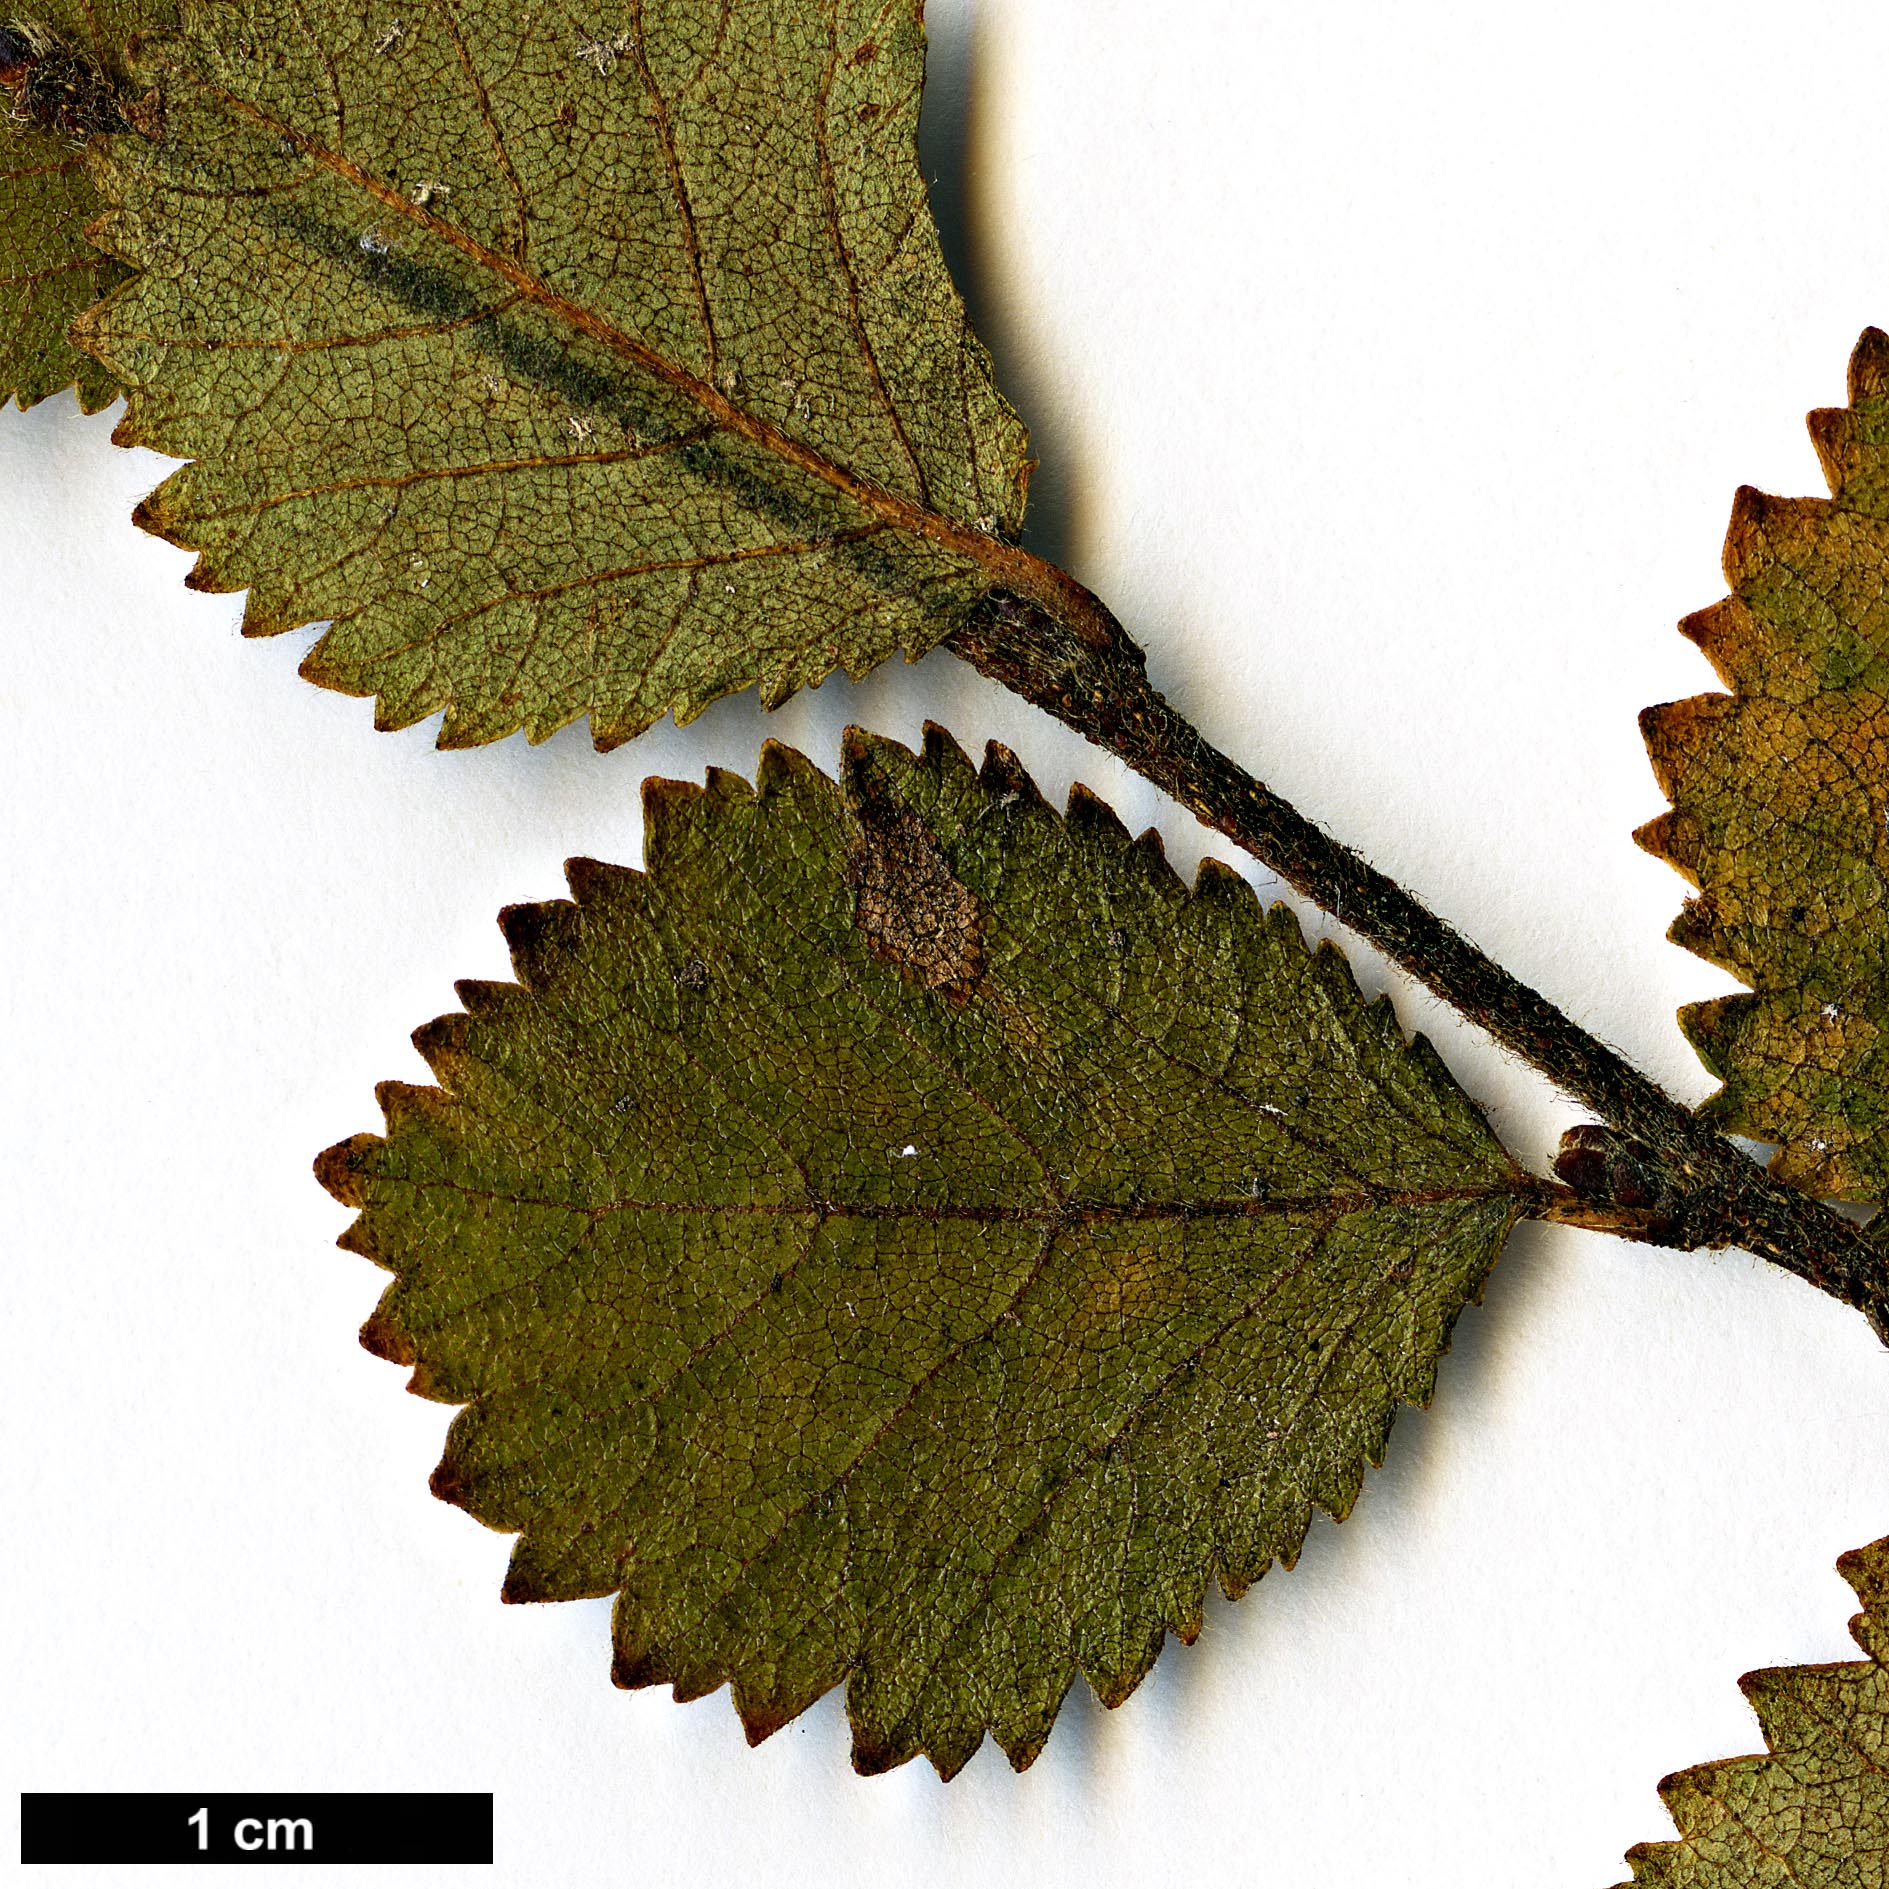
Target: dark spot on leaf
[(693, 975), (914, 912)]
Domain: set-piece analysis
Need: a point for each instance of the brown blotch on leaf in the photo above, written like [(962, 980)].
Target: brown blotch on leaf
[(915, 913)]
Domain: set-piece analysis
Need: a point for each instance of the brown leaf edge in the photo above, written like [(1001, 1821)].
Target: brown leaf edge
[(1698, 1798), (1678, 735)]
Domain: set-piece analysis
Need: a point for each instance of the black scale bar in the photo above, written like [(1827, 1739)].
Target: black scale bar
[(129, 1827)]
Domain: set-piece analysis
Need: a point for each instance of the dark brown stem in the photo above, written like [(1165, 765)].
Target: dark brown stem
[(1655, 1173)]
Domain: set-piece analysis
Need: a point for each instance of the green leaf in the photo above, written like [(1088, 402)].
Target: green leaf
[(60, 75), (568, 364), (1779, 792), (908, 1237), (1816, 1810)]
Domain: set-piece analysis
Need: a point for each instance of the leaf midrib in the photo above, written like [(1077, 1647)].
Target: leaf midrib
[(1050, 1214), (1008, 566)]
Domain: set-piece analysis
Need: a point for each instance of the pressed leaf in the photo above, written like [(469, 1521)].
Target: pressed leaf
[(1815, 1810), (566, 364), (1779, 793), (60, 74), (908, 1237)]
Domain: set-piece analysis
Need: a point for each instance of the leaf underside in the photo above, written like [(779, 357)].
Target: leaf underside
[(907, 1237), (1779, 795), (564, 369), (48, 271), (1815, 1811)]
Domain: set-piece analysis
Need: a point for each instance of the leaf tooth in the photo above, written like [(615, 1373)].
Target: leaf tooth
[(1728, 635), (1021, 1748), (466, 725), (1763, 529), (1113, 1681), (442, 1042), (1656, 836), (539, 937), (635, 1666), (1333, 970), (779, 766), (595, 882), (152, 514), (725, 786), (264, 615), (385, 1333), (1699, 928), (1833, 433), (408, 1104), (1217, 882), (1869, 367), (952, 1751), (696, 1682), (762, 1712), (1149, 852), (396, 704), (340, 1168), (1006, 780), (523, 1583), (876, 1752), (1283, 922), (1776, 1695), (667, 806), (360, 1236), (206, 574), (610, 731), (1237, 1577), (1743, 549), (1674, 837), (941, 754), (453, 1478), (861, 750), (1713, 1026), (1090, 816), (1867, 1569), (1675, 731)]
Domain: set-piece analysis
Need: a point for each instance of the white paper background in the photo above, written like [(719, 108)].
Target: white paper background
[(1392, 367)]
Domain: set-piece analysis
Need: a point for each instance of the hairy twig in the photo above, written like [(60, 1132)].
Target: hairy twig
[(1653, 1172)]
